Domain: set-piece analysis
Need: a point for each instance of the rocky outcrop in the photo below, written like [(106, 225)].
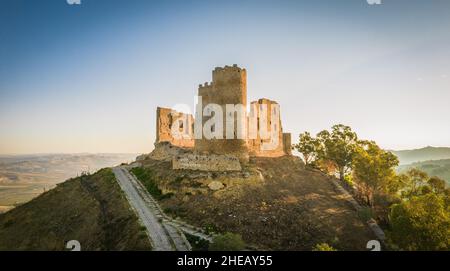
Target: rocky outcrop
[(164, 151), (215, 185)]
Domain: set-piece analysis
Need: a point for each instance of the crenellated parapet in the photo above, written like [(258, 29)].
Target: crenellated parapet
[(205, 89), (229, 69)]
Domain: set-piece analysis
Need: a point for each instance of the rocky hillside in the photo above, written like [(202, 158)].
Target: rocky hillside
[(274, 203), (90, 209)]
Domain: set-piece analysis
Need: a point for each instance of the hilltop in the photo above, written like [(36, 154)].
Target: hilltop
[(435, 161), (90, 209), (439, 168), (273, 203)]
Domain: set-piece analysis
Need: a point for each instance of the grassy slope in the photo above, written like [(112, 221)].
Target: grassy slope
[(293, 209), (90, 209)]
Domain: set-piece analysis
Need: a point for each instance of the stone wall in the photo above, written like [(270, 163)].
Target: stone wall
[(164, 151), (268, 110), (287, 143), (211, 162), (168, 121)]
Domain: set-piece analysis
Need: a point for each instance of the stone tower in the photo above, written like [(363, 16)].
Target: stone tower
[(228, 86), (272, 126)]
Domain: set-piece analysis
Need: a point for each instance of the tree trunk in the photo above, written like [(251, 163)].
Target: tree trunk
[(306, 158), (341, 174)]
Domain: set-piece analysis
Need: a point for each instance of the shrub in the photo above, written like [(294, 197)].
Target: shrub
[(175, 211), (146, 177), (348, 180), (142, 235), (197, 243), (210, 228), (142, 228), (323, 247), (227, 242), (365, 213)]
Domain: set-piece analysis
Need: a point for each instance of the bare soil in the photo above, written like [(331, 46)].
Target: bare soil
[(291, 208)]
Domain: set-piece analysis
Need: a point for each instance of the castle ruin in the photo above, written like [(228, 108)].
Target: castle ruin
[(238, 134)]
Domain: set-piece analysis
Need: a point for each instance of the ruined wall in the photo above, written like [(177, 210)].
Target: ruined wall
[(287, 143), (228, 86), (274, 146), (166, 119), (210, 162)]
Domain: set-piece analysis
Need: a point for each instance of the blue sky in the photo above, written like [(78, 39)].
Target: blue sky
[(88, 78)]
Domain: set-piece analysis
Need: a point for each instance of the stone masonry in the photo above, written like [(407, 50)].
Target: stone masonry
[(228, 87)]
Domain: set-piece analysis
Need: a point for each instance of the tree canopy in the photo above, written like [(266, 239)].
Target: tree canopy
[(421, 223), (337, 146), (416, 207), (374, 169)]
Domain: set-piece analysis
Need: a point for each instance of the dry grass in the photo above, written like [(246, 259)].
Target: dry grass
[(292, 209), (90, 209)]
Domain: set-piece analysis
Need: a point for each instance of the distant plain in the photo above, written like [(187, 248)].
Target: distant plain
[(23, 177)]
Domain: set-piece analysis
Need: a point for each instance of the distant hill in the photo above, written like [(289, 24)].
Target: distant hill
[(23, 177), (423, 154), (439, 168), (90, 209)]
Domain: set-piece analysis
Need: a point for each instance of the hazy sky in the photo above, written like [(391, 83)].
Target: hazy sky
[(88, 78)]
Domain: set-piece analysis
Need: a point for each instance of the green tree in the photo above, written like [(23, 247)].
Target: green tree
[(437, 185), (421, 223), (373, 170), (339, 147), (415, 180), (307, 146)]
